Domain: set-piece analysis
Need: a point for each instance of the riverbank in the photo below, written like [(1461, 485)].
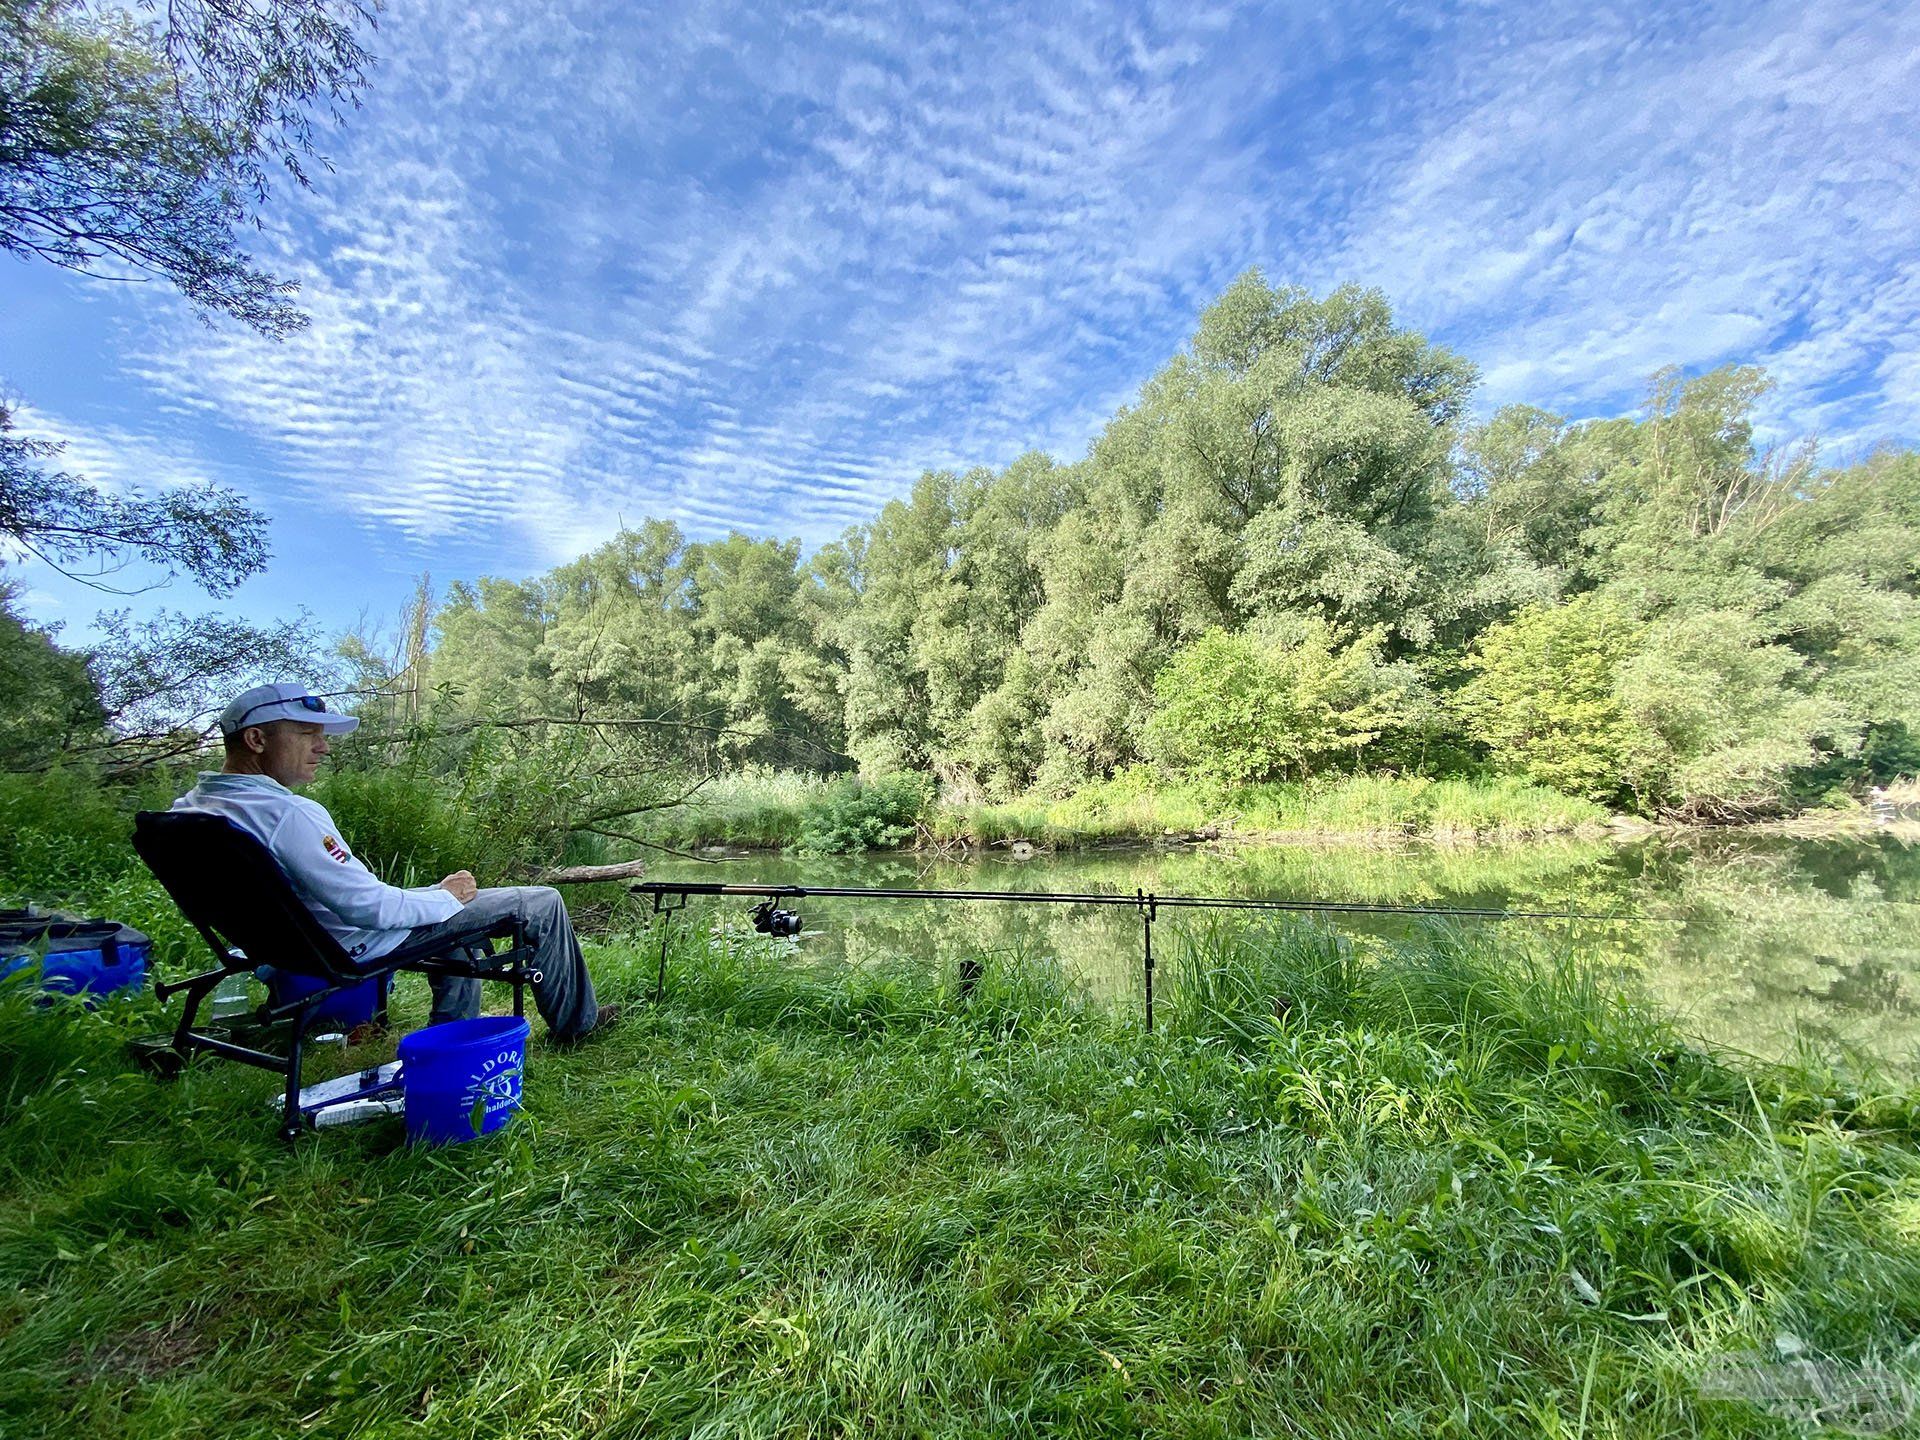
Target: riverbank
[(770, 810), (1438, 1190), (1133, 807)]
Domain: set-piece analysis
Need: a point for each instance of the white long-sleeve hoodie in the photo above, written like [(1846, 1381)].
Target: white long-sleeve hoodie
[(365, 914)]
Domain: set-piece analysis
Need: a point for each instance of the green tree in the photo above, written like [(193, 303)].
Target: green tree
[(1006, 739), (1287, 554), (1527, 492), (128, 141), (487, 648), (779, 703), (908, 646), (207, 531), (1848, 552), (1782, 599), (1682, 490), (51, 705), (1238, 708), (1293, 462), (143, 143), (1543, 699), (1530, 487), (1731, 716)]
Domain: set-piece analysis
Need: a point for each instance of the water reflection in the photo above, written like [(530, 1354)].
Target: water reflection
[(1751, 939)]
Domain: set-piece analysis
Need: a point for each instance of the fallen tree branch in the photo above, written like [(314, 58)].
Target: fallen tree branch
[(591, 874)]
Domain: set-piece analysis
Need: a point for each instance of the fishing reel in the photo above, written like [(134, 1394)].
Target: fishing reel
[(769, 920)]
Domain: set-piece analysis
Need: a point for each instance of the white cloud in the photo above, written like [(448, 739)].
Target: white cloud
[(116, 459), (583, 263), (1590, 212)]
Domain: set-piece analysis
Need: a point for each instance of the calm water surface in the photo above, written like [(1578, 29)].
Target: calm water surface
[(1751, 940)]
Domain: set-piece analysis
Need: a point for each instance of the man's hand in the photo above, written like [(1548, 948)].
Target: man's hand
[(460, 885)]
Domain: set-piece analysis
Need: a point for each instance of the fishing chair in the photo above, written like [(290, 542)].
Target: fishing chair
[(243, 905)]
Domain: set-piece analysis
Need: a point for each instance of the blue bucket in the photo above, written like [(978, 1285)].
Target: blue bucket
[(462, 1079)]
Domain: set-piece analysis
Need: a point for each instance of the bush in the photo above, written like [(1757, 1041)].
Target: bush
[(407, 828), (1240, 709), (61, 835), (755, 805), (855, 816), (1730, 715), (1136, 803), (1543, 697)]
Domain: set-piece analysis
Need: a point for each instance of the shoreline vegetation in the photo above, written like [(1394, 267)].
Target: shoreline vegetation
[(1418, 1187), (769, 810)]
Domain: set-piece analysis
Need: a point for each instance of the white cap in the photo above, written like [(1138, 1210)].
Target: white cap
[(264, 704)]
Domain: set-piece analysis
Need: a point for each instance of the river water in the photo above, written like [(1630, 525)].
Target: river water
[(1757, 942)]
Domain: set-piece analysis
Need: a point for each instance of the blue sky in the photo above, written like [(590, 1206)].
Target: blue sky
[(758, 266)]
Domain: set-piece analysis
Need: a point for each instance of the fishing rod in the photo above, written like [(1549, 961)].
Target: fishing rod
[(659, 889), (769, 919)]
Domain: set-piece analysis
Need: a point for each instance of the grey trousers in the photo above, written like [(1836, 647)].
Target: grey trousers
[(564, 992)]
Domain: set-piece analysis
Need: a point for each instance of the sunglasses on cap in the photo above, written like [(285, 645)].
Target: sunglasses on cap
[(306, 702)]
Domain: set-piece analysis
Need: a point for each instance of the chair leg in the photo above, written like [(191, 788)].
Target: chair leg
[(290, 1116), (196, 992), (519, 943)]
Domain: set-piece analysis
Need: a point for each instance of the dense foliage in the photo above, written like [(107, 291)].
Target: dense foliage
[(1292, 557), (1293, 560)]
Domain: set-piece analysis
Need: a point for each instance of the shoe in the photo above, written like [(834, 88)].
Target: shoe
[(608, 1017)]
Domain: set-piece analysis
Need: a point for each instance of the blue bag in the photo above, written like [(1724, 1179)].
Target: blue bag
[(74, 957)]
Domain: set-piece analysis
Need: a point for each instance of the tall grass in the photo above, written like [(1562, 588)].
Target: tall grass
[(1421, 1189), (756, 806), (67, 843)]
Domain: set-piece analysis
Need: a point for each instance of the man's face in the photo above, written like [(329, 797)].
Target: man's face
[(292, 751)]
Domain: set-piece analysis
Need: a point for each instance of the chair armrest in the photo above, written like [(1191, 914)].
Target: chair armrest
[(412, 953)]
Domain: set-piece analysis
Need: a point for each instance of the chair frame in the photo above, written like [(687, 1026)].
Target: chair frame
[(308, 950)]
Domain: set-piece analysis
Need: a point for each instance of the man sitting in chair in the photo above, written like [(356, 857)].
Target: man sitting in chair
[(276, 737)]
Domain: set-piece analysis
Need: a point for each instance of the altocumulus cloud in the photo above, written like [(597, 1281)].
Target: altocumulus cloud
[(756, 266)]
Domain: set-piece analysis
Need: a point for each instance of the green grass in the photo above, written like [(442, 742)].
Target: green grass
[(1432, 1189), (1135, 805), (64, 841), (753, 807)]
